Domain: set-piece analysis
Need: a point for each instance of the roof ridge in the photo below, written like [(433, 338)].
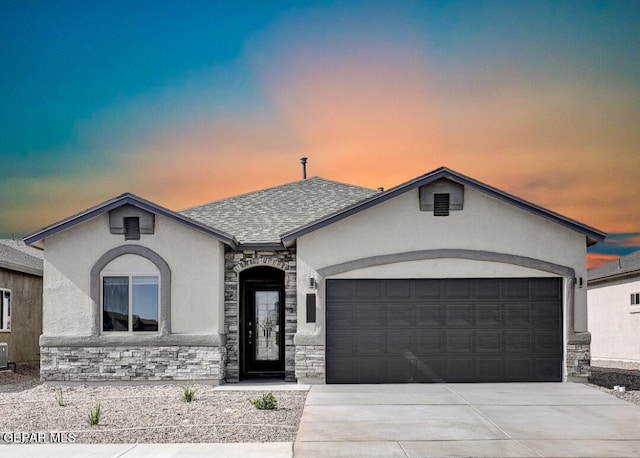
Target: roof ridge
[(248, 193)]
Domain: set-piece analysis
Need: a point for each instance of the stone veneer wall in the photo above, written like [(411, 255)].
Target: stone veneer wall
[(578, 360), (148, 363), (235, 263), (310, 363)]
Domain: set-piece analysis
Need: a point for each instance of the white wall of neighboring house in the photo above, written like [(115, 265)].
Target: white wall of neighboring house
[(615, 324), (397, 225), (196, 262)]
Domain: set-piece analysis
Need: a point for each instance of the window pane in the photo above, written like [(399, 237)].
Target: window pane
[(115, 303), (145, 303)]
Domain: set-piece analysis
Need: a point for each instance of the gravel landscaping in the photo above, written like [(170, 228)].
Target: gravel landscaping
[(146, 413)]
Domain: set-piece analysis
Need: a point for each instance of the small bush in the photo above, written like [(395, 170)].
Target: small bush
[(188, 393), (94, 415), (59, 398), (265, 402)]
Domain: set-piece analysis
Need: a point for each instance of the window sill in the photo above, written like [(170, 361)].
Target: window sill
[(5, 330), (634, 309)]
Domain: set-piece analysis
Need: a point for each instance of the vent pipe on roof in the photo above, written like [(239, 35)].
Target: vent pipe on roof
[(303, 161)]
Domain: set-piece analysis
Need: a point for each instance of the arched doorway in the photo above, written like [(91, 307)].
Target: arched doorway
[(262, 322)]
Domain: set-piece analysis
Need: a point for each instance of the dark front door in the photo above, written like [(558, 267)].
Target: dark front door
[(444, 330), (263, 328)]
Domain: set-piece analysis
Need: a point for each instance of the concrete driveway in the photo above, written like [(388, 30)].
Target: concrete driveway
[(483, 420)]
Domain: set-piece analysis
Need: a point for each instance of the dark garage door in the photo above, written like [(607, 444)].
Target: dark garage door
[(450, 330)]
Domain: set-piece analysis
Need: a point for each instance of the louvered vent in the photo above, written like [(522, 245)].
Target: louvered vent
[(441, 204), (132, 228)]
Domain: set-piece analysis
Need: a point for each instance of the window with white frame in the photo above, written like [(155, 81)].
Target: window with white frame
[(130, 295), (635, 298), (5, 309)]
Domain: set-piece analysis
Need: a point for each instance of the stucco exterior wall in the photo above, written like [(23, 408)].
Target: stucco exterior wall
[(26, 315), (398, 226), (196, 262), (614, 324)]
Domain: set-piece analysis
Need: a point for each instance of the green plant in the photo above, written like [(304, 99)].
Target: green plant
[(59, 398), (265, 402), (94, 415), (188, 393)]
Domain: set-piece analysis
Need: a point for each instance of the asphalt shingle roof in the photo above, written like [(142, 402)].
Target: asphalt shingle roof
[(624, 265), (261, 216), (15, 255)]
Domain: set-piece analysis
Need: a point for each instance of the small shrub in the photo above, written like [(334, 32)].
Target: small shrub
[(94, 415), (265, 402), (59, 398), (188, 393)]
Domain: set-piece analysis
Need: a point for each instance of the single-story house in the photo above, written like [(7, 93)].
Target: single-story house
[(441, 278), (20, 302), (614, 313)]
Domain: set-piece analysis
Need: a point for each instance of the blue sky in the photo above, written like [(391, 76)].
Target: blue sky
[(187, 102)]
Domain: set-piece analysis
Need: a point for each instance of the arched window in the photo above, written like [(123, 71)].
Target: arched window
[(130, 295)]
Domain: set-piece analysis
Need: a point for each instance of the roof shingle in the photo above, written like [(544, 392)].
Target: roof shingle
[(259, 217), (15, 255), (623, 266)]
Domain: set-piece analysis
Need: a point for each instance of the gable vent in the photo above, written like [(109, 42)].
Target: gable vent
[(132, 228), (441, 204)]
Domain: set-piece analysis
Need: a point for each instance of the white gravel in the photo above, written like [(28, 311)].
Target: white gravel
[(632, 396), (147, 413)]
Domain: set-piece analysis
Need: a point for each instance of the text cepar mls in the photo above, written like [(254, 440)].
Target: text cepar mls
[(39, 438)]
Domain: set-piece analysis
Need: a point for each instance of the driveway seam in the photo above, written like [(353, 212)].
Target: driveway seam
[(126, 451), (491, 421), (403, 449)]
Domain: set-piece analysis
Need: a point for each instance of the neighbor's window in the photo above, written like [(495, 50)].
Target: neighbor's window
[(5, 310), (635, 298), (130, 295)]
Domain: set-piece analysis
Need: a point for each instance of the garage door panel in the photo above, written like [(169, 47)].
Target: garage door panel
[(488, 369), (489, 341), (519, 369), (430, 316), (398, 289), (427, 370), (516, 288), (371, 315), (428, 289), (401, 315), (371, 343), (426, 330), (489, 315), (401, 343), (459, 315), (517, 341), (459, 342), (457, 289), (488, 289), (518, 315), (430, 342)]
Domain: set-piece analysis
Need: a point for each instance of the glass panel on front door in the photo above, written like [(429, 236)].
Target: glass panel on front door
[(267, 328)]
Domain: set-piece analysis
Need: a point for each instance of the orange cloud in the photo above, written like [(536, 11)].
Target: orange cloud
[(598, 259)]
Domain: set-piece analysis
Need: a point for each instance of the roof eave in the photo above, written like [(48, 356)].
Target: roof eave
[(614, 276), (593, 235), (36, 238), (20, 268)]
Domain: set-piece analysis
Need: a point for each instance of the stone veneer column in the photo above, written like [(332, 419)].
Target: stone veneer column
[(234, 264)]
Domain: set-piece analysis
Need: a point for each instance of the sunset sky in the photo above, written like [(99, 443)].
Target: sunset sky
[(186, 102)]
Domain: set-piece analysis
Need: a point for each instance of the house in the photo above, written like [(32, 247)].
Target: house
[(614, 313), (20, 302), (441, 278)]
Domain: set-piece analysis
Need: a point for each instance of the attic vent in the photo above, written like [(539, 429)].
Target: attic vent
[(132, 228), (441, 204)]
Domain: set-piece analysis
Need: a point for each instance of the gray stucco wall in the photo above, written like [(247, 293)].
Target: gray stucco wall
[(26, 315)]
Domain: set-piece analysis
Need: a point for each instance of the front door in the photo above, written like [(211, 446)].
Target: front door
[(263, 329)]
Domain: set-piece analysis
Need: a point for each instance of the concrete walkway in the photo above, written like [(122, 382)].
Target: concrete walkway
[(482, 420)]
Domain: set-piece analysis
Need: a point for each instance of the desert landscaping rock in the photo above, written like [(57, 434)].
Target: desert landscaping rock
[(147, 413)]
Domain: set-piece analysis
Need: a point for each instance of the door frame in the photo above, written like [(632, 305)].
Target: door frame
[(251, 280)]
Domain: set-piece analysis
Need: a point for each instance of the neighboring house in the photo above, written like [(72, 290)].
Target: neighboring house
[(442, 278), (614, 313), (20, 301)]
